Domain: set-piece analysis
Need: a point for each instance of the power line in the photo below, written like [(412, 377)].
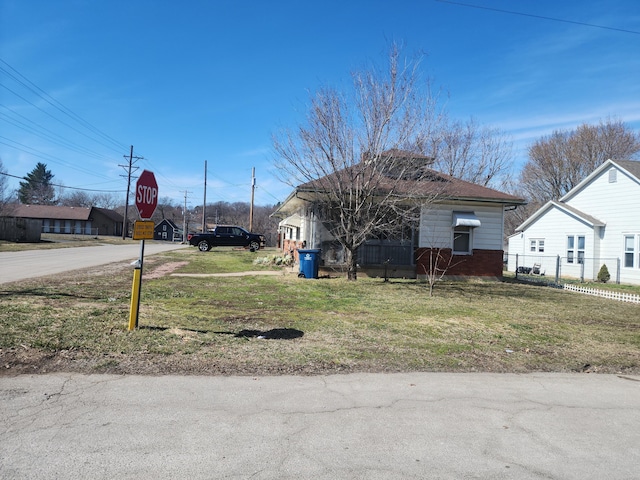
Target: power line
[(46, 156), (511, 12), (29, 85), (65, 186)]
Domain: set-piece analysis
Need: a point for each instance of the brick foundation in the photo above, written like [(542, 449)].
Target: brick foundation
[(483, 263)]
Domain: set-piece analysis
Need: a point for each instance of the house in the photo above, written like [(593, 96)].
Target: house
[(72, 220), (167, 230), (596, 223), (464, 224)]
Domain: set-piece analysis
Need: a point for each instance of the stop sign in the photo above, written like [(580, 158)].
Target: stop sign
[(146, 194)]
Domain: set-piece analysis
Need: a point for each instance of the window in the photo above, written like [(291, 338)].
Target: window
[(580, 249), (462, 240), (536, 245), (629, 250), (575, 248)]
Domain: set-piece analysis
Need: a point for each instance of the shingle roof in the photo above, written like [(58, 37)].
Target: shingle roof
[(56, 212), (435, 182), (52, 211), (631, 166)]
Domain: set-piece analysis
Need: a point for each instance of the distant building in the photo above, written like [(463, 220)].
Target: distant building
[(72, 220), (167, 230)]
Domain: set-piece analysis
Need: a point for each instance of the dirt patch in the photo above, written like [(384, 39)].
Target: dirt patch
[(164, 269)]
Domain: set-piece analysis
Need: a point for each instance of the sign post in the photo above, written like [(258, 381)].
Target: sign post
[(146, 203)]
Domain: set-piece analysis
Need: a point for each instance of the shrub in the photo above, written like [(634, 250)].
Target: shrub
[(603, 274), (277, 260)]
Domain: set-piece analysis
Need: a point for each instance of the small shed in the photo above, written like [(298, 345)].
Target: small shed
[(167, 230)]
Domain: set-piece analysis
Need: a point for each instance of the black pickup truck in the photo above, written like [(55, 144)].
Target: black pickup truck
[(227, 236)]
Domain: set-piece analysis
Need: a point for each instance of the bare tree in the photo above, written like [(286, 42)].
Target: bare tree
[(350, 158), (76, 198), (471, 152), (5, 197), (560, 161)]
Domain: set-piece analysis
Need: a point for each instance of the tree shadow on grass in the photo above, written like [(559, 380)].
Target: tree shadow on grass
[(273, 334)]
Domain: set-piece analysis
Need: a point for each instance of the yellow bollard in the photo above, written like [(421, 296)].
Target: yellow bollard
[(135, 295)]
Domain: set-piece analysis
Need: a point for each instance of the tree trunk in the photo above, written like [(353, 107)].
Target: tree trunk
[(351, 259)]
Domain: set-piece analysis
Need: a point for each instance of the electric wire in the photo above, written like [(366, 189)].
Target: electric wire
[(511, 12)]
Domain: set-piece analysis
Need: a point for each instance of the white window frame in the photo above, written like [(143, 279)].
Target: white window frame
[(575, 252), (571, 248), (580, 250), (626, 250), (536, 245)]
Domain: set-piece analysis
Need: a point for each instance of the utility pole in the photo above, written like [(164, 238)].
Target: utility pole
[(204, 202), (253, 189), (184, 217), (129, 169)]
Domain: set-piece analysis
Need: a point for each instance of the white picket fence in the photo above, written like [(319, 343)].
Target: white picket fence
[(622, 297)]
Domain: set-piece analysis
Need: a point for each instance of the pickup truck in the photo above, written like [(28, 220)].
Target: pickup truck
[(226, 236)]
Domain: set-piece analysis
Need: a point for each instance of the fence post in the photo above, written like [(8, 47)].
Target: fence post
[(557, 268), (516, 266), (582, 272), (618, 270)]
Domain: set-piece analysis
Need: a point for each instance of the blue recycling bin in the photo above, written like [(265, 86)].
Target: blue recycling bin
[(309, 262)]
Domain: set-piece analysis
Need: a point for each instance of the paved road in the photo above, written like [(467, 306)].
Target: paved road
[(16, 266), (363, 426)]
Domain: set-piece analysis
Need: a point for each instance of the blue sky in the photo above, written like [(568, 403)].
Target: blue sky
[(198, 80)]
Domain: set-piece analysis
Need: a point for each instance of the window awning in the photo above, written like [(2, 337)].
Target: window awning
[(465, 219)]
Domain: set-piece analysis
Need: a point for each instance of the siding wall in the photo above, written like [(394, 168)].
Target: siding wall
[(553, 227), (436, 232), (436, 226), (616, 204)]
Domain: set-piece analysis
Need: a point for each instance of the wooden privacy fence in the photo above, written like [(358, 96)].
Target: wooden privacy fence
[(620, 296)]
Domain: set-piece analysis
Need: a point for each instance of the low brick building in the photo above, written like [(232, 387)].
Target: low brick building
[(72, 220)]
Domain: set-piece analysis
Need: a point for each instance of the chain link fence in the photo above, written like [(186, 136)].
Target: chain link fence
[(557, 269)]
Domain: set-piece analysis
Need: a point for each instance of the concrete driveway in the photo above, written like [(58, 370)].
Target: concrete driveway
[(37, 263), (363, 426)]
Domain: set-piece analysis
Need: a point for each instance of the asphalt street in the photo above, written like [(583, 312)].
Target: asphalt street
[(362, 426), (16, 266)]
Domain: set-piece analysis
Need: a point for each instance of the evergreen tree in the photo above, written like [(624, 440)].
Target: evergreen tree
[(37, 188)]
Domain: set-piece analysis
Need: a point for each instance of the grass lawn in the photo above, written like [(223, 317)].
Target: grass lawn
[(256, 325)]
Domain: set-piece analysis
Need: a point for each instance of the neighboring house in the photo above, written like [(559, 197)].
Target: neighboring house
[(595, 223), (465, 225), (72, 220), (167, 230)]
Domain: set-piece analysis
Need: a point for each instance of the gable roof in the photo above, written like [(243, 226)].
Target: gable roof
[(630, 167), (563, 207), (171, 223), (446, 186)]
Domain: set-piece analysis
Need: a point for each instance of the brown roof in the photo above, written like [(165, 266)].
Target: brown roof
[(631, 166), (52, 212), (55, 212), (433, 182)]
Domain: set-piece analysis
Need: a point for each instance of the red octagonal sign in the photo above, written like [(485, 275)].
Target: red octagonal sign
[(146, 194)]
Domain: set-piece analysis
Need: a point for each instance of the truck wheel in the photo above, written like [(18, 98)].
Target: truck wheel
[(254, 246), (204, 246)]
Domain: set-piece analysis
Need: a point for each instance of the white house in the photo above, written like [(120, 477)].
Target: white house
[(595, 223), (466, 225)]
